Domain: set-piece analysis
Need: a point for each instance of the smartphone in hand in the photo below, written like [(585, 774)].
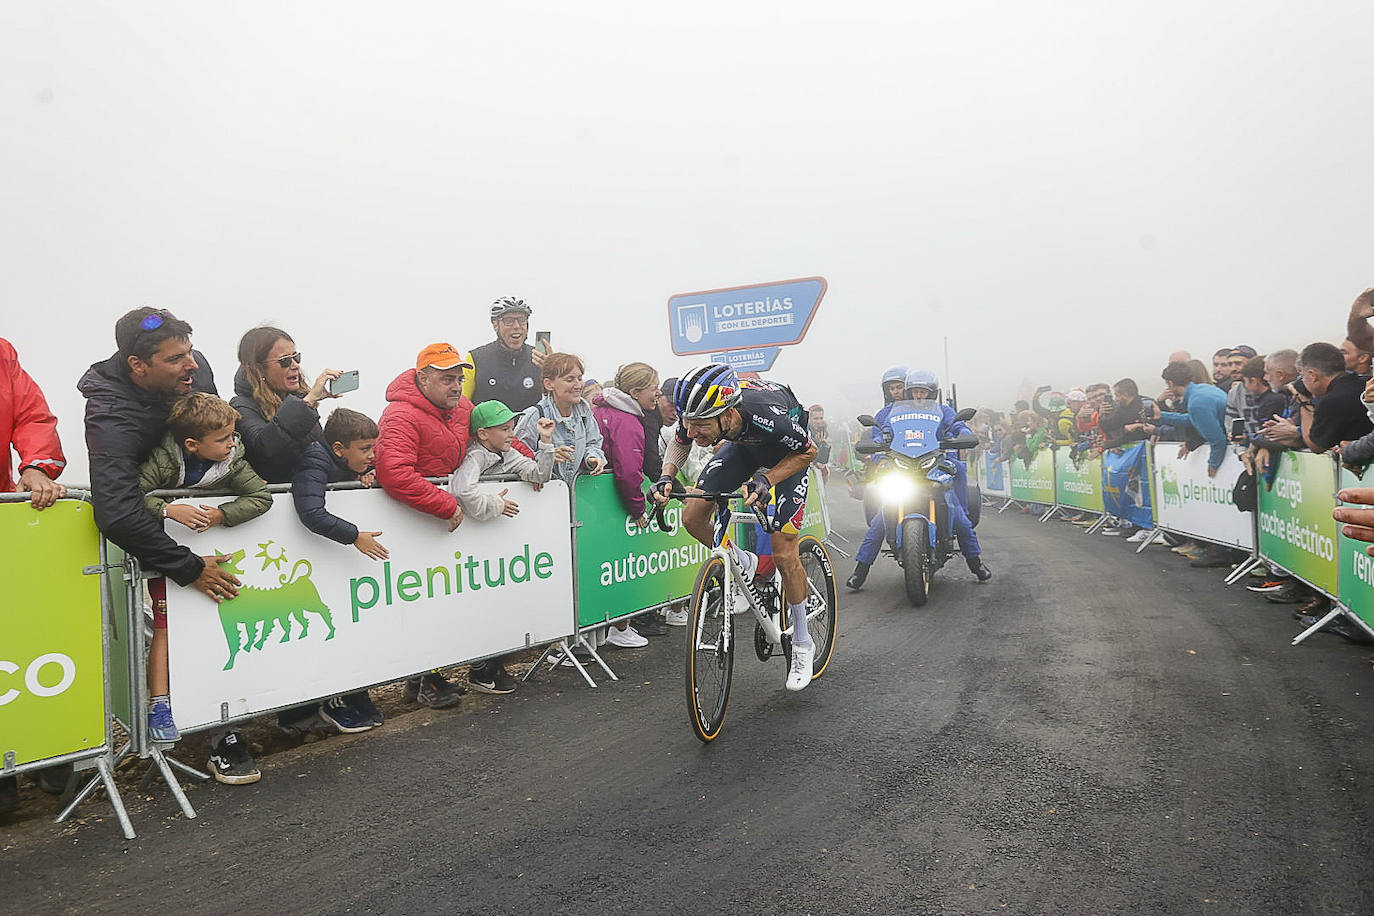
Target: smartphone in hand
[(541, 342), (346, 382)]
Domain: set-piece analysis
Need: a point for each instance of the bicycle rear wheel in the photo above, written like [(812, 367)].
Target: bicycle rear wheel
[(710, 651), (820, 601)]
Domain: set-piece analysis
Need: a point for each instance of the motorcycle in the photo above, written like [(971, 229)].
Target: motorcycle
[(912, 476)]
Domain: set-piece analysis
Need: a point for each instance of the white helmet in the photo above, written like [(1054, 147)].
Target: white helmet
[(508, 304)]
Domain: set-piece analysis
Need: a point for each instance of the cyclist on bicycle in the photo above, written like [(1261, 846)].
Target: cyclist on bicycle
[(766, 446)]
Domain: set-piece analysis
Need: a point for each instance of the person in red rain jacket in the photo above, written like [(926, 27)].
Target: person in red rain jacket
[(29, 427), (423, 432)]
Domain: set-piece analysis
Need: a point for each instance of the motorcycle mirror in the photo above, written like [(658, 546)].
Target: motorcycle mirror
[(869, 448), (966, 414), (960, 442), (866, 419)]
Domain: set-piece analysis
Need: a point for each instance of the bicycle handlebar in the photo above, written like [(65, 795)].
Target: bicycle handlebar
[(682, 493)]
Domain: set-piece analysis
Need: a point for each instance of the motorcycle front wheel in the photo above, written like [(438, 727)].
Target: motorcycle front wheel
[(915, 560)]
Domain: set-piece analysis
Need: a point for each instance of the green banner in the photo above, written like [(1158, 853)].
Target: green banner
[(1356, 577), (52, 692), (1034, 484), (1296, 529), (622, 569), (1078, 486)]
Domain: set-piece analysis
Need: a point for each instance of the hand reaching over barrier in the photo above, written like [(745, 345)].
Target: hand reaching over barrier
[(1356, 523)]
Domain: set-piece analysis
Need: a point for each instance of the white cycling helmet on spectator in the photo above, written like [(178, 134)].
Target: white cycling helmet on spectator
[(706, 392), (925, 380), (507, 305)]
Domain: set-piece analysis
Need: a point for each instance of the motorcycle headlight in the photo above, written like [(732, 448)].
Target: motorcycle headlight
[(895, 488)]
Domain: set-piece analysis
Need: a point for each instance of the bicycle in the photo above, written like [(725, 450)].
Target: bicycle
[(711, 649)]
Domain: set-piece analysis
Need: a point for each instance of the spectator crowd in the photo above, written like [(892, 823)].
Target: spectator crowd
[(155, 422), (1318, 398)]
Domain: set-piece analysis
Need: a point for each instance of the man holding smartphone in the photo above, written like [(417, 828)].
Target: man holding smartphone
[(507, 369)]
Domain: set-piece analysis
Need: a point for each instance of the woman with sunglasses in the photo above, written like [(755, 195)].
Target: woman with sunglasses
[(279, 410), (279, 417)]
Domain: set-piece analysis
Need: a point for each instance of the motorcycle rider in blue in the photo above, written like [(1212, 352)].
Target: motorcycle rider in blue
[(923, 385), (893, 385)]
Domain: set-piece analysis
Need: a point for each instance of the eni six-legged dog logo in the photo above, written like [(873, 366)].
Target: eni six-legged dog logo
[(250, 618)]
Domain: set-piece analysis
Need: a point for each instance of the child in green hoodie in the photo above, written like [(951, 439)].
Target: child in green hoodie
[(199, 452)]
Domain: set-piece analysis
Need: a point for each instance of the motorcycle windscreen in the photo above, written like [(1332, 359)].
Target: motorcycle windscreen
[(915, 425)]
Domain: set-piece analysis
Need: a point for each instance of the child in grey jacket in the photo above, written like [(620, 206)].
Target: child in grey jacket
[(493, 429)]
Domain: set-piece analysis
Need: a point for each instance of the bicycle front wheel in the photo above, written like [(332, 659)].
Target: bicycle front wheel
[(710, 651), (820, 601)]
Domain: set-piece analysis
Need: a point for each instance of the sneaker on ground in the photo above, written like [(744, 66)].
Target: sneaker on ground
[(1268, 585), (627, 638), (160, 724), (676, 617), (799, 674), (1291, 592), (341, 714), (1138, 537), (361, 700), (650, 625), (1185, 547), (1112, 531), (435, 691), (493, 678), (232, 762)]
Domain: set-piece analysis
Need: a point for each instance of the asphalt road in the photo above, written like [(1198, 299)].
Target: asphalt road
[(1091, 731)]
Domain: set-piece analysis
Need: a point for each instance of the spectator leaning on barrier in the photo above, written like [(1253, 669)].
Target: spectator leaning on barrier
[(278, 411), (618, 410), (507, 369), (574, 425), (1206, 408), (278, 418), (127, 399), (1260, 402), (493, 435), (423, 433), (200, 452), (1327, 397), (29, 428), (351, 439)]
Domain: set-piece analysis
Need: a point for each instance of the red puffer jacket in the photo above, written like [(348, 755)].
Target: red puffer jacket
[(418, 440), (25, 422)]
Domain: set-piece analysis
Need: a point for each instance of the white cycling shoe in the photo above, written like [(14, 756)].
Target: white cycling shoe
[(803, 658), (751, 566)]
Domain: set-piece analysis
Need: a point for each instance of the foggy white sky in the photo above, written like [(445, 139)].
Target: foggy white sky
[(1068, 191)]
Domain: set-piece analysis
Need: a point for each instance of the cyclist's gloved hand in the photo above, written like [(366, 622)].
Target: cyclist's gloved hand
[(759, 490), (662, 487)]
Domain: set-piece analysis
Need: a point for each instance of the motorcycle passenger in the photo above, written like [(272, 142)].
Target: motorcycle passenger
[(767, 445), (893, 386), (923, 387)]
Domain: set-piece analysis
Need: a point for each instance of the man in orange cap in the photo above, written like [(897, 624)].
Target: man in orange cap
[(423, 433)]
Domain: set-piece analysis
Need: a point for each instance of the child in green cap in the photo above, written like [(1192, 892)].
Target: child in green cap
[(493, 430)]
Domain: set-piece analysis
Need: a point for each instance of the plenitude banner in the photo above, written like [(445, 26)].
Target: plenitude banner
[(1190, 502), (621, 568), (1033, 484), (317, 618), (1078, 484), (1296, 530), (52, 672), (1356, 577)]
